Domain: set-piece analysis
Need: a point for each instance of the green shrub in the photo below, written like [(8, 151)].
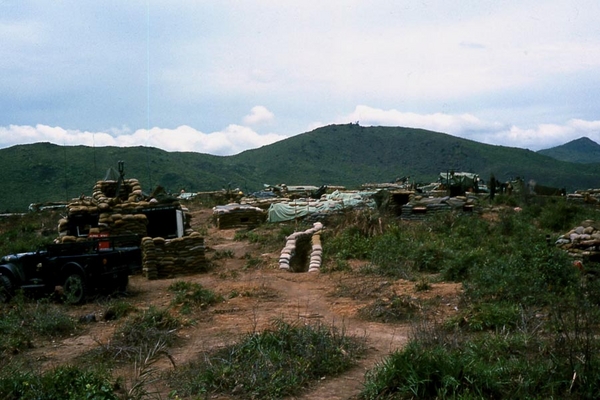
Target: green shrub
[(560, 215), (22, 321), (140, 334), (151, 326), (496, 316), (389, 261), (117, 309), (220, 254), (526, 274), (65, 382), (189, 295), (393, 309), (459, 264), (348, 245), (488, 366), (272, 364)]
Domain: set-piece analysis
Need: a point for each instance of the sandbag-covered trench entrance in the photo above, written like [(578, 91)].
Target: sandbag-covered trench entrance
[(303, 251)]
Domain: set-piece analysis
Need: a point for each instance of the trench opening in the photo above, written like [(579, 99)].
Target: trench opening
[(300, 260)]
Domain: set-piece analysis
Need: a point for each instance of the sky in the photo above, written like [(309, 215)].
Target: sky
[(224, 76)]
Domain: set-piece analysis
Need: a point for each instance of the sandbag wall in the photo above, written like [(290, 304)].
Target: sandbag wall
[(113, 223), (238, 215), (409, 212), (303, 251), (582, 241), (420, 208), (164, 258), (589, 196), (119, 224), (106, 191)]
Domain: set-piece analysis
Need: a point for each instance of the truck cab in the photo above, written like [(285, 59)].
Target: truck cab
[(79, 268)]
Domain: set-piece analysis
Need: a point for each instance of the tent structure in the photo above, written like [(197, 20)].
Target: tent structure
[(329, 203)]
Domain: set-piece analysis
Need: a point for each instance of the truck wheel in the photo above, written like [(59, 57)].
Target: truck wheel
[(122, 282), (74, 289), (6, 289)]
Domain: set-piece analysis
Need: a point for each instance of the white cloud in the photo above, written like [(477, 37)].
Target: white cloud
[(468, 126), (234, 139), (258, 115), (439, 122), (544, 136), (231, 140)]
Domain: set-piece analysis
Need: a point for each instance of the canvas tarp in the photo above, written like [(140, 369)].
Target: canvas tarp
[(336, 201)]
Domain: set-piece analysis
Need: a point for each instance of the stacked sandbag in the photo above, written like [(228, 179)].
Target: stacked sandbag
[(106, 191), (582, 241), (316, 255), (163, 258), (303, 251), (63, 227), (81, 207), (589, 196), (134, 189), (187, 229), (418, 208), (126, 224), (150, 258), (77, 208), (236, 215)]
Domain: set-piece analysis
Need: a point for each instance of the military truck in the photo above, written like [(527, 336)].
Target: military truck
[(79, 268)]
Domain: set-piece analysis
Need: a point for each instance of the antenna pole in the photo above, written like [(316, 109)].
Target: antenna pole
[(148, 91)]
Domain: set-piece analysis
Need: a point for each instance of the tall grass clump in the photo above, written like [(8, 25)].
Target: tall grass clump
[(504, 352), (139, 335), (349, 244), (273, 364), (487, 366)]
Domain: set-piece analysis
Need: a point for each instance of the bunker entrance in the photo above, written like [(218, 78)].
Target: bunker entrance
[(300, 260)]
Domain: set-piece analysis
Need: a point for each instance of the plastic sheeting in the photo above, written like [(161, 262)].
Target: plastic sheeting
[(336, 201)]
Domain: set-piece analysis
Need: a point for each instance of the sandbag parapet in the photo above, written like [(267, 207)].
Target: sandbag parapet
[(167, 258), (303, 250), (582, 241)]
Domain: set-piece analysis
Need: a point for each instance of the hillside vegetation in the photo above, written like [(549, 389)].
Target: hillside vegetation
[(348, 155), (582, 150)]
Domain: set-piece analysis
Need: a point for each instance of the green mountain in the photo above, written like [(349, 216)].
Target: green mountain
[(582, 150), (348, 155)]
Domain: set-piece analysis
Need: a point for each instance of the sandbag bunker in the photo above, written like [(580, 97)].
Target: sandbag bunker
[(303, 251), (236, 215), (159, 224)]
